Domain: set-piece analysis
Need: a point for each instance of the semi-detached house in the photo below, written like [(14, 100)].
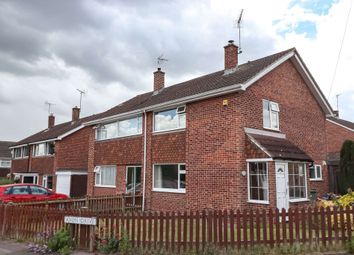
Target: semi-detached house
[(248, 135), (55, 157)]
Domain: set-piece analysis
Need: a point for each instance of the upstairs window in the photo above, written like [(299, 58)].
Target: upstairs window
[(170, 119), (270, 115), (5, 163), (20, 152), (128, 127), (43, 149)]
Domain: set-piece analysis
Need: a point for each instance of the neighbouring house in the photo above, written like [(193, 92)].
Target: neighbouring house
[(338, 130), (5, 158), (250, 135), (55, 157)]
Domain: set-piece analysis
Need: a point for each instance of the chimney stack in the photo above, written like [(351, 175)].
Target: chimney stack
[(76, 113), (159, 79), (51, 120), (231, 55)]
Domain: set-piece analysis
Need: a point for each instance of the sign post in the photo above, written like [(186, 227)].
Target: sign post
[(91, 222)]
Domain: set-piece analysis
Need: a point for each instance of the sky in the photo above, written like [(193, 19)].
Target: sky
[(109, 49)]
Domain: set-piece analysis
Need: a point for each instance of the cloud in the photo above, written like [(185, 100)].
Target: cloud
[(48, 49)]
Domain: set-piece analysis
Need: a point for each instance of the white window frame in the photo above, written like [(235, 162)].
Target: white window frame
[(317, 178), (35, 177), (45, 181), (46, 150), (170, 129), (178, 190), (271, 110), (126, 175), (98, 169), (295, 200), (266, 161), (140, 131), (22, 148), (8, 161)]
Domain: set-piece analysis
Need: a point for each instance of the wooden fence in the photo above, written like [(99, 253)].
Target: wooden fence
[(97, 204), (179, 231)]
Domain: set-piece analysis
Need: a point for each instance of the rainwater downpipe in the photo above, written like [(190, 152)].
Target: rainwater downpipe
[(144, 163)]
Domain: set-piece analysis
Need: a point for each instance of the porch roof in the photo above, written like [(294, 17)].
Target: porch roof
[(279, 148)]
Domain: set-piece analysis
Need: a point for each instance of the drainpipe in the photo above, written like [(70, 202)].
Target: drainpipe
[(144, 163)]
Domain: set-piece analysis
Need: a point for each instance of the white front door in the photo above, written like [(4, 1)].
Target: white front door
[(281, 170)]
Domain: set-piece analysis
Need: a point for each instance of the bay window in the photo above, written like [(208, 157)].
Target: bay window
[(258, 186), (170, 119), (270, 115), (105, 176), (170, 178), (121, 128), (297, 181)]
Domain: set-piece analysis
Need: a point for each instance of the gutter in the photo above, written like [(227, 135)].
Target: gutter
[(144, 163)]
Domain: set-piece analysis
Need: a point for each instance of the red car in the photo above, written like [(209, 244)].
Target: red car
[(27, 193)]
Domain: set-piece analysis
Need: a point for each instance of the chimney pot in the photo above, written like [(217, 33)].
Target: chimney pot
[(231, 55), (159, 79), (76, 113), (51, 121), (336, 113)]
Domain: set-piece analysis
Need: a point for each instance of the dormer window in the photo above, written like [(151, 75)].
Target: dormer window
[(270, 115)]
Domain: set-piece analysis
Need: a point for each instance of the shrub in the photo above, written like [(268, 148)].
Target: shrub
[(108, 246), (5, 181), (125, 246), (61, 242), (346, 169)]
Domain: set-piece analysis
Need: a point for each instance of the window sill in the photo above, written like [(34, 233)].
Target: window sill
[(44, 156), (316, 180), (272, 129), (105, 186), (169, 131), (299, 200), (20, 158), (118, 138), (258, 202), (170, 191)]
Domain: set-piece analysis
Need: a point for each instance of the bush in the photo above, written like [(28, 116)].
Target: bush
[(125, 246), (108, 246), (61, 242)]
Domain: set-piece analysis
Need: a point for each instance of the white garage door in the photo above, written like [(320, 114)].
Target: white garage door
[(63, 184)]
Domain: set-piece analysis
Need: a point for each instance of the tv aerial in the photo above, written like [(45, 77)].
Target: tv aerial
[(161, 60), (49, 106), (239, 21), (82, 92)]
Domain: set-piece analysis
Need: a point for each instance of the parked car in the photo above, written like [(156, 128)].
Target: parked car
[(14, 193)]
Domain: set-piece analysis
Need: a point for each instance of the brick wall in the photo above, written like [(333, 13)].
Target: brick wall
[(336, 135), (213, 146), (19, 165), (72, 151)]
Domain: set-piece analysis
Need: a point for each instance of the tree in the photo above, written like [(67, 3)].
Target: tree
[(346, 167)]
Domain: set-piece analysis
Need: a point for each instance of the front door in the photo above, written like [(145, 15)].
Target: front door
[(133, 185), (282, 185)]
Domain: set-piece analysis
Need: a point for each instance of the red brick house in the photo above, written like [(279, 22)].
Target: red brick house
[(338, 131), (247, 135), (5, 158), (55, 157)]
